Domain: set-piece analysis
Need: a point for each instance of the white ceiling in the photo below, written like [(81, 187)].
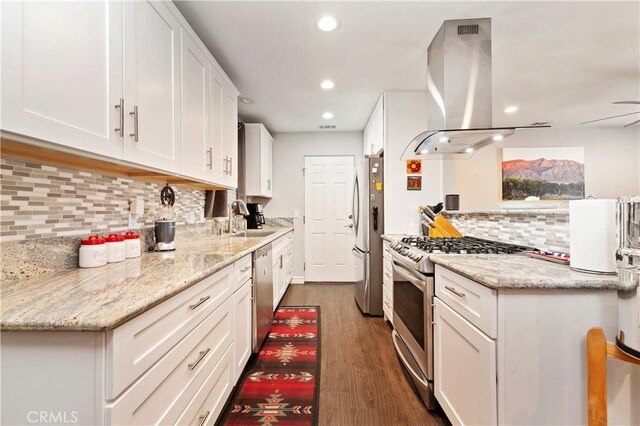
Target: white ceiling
[(559, 61)]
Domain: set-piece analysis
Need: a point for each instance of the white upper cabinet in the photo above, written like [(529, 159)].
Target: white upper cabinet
[(230, 136), (152, 85), (374, 131), (197, 155), (258, 160), (62, 77), (126, 80)]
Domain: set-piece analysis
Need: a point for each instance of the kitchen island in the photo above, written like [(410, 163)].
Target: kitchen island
[(513, 330)]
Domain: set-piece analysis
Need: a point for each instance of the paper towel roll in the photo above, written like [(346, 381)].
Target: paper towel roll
[(592, 239)]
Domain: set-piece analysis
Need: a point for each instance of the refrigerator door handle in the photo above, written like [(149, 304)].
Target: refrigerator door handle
[(355, 207)]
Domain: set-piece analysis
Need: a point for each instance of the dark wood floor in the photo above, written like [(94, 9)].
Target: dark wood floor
[(361, 379)]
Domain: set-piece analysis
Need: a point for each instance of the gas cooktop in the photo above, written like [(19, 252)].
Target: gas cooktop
[(464, 245), (413, 251)]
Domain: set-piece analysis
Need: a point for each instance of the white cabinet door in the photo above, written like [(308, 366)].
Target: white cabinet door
[(62, 73), (196, 150), (230, 136), (216, 88), (374, 131), (242, 325), (152, 85), (258, 160), (465, 369), (266, 162), (276, 281)]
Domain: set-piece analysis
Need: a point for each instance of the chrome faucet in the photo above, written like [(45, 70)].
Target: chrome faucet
[(242, 209)]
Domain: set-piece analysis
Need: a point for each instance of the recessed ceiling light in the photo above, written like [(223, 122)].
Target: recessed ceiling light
[(498, 138), (327, 115), (327, 23), (468, 150), (443, 139), (246, 100), (327, 85), (511, 109)]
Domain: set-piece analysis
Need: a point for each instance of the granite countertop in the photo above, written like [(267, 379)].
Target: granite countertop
[(519, 271), (509, 212), (102, 298)]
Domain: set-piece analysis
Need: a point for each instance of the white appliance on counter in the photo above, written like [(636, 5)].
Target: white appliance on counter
[(367, 214), (628, 256), (592, 240)]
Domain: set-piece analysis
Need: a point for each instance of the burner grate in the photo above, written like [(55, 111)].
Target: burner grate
[(464, 245)]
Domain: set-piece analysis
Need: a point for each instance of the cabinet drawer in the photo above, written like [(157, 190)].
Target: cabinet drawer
[(136, 345), (242, 269), (387, 274), (475, 302), (465, 369), (209, 401), (163, 392)]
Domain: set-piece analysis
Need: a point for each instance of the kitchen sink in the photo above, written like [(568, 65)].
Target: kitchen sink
[(256, 233)]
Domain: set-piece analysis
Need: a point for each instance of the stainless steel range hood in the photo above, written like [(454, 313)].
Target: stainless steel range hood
[(459, 99)]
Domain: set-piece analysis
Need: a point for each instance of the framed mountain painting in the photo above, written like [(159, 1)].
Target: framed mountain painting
[(550, 173)]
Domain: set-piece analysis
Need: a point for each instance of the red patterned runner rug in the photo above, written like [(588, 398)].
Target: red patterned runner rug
[(282, 386)]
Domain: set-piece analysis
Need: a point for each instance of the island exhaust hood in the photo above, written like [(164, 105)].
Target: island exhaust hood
[(459, 99)]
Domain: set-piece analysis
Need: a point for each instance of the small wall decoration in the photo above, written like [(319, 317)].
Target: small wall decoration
[(548, 173), (414, 183), (414, 167)]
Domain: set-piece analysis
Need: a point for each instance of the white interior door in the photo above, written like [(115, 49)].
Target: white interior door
[(328, 237)]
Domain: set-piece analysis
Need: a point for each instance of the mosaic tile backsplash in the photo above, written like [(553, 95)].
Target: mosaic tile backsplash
[(541, 229), (39, 201)]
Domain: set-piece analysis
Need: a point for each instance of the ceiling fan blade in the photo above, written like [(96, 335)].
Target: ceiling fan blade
[(626, 103), (631, 124), (608, 118)]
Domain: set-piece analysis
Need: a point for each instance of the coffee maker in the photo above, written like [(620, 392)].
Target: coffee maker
[(255, 218)]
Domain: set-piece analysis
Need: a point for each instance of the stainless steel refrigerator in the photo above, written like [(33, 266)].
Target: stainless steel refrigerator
[(368, 225)]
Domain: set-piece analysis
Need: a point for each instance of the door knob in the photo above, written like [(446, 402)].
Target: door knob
[(349, 225), (350, 216)]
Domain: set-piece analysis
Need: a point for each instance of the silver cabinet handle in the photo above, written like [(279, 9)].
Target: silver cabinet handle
[(210, 153), (268, 183), (134, 114), (388, 276), (280, 261), (230, 166), (199, 302), (203, 418), (245, 269), (200, 358), (454, 291), (120, 108)]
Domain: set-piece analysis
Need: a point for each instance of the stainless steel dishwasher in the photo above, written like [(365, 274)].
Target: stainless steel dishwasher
[(262, 295)]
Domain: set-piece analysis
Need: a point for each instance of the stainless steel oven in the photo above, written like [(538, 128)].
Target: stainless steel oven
[(413, 293)]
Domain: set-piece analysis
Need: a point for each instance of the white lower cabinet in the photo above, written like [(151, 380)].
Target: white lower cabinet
[(282, 266), (464, 369), (387, 282), (176, 363), (517, 356), (242, 304)]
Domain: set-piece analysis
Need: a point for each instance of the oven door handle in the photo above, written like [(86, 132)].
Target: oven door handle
[(419, 377), (405, 273)]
